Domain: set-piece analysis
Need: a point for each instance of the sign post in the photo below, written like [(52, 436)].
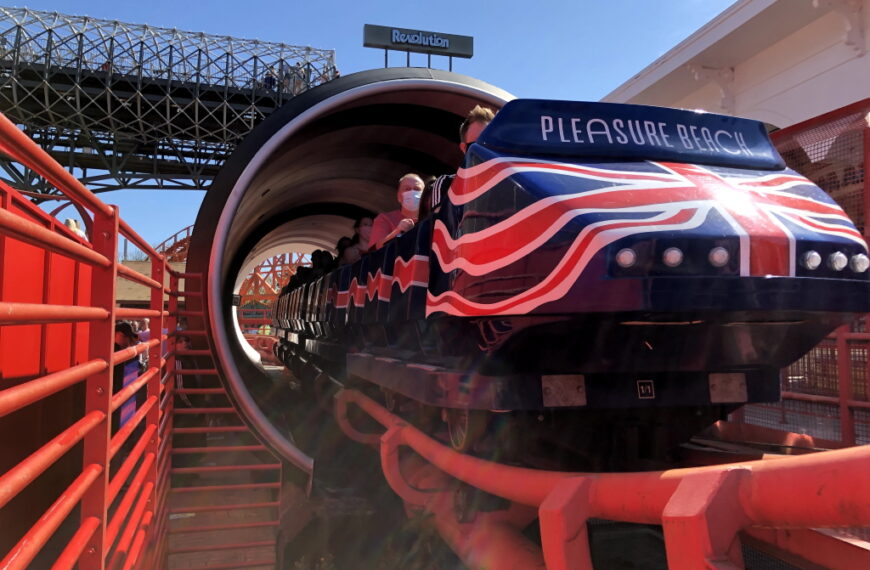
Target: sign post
[(418, 41)]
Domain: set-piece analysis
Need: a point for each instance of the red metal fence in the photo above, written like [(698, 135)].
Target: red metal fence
[(705, 512), (80, 485), (826, 394)]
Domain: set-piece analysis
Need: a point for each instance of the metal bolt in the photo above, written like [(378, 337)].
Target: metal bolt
[(92, 550), (99, 390)]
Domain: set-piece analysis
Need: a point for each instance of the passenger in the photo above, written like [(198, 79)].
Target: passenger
[(391, 224), (476, 120), (125, 373), (341, 246), (321, 263), (359, 242), (76, 229)]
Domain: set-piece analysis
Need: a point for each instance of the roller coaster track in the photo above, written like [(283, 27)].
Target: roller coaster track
[(129, 106)]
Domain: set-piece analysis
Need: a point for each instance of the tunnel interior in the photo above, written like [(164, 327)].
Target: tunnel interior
[(298, 182)]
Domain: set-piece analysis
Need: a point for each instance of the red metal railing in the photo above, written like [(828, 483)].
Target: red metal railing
[(57, 359), (826, 394), (703, 511)]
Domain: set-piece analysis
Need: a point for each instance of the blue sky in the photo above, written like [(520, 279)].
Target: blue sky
[(564, 49)]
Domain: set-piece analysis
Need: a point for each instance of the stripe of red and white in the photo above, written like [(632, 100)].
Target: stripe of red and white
[(378, 285), (411, 273), (536, 223), (342, 299), (385, 283), (771, 245), (477, 254), (471, 183), (357, 293), (804, 203), (528, 224), (557, 284), (819, 226)]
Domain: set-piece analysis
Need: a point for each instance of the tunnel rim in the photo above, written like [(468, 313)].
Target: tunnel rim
[(247, 162)]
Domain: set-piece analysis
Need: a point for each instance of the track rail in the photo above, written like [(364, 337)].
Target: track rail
[(702, 510)]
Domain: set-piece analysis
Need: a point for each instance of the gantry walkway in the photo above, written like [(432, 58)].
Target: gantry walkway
[(131, 106)]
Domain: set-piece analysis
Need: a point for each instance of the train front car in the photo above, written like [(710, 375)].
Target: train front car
[(632, 272)]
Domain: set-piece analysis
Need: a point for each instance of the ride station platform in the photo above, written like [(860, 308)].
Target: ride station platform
[(184, 481)]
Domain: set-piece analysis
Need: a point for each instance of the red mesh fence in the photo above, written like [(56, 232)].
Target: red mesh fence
[(825, 393), (830, 151)]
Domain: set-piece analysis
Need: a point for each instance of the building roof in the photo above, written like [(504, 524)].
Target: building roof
[(130, 293), (744, 29)]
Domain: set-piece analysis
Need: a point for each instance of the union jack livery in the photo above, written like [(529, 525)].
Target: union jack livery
[(594, 257)]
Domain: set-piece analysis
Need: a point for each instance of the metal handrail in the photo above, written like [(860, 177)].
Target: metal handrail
[(713, 501), (101, 540)]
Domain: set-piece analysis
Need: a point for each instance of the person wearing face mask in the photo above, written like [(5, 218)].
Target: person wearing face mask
[(391, 224)]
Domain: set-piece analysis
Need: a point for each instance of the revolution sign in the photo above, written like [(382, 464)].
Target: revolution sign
[(402, 39)]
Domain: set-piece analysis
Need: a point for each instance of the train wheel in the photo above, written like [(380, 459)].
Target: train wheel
[(465, 427)]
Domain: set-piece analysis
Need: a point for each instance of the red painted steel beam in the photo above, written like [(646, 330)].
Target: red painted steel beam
[(20, 476), (215, 528), (36, 313), (133, 275), (20, 147), (218, 449), (197, 391), (74, 548), (231, 507), (220, 468), (121, 436), (30, 232), (844, 378), (127, 466), (127, 391), (750, 433), (801, 397), (215, 488), (830, 484), (136, 517), (235, 565), (138, 542), (819, 120), (126, 354), (29, 546), (130, 496), (197, 372), (518, 484), (17, 397), (209, 429), (486, 540), (125, 313), (230, 546), (200, 411)]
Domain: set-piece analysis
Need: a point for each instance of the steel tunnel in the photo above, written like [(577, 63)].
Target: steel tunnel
[(297, 182)]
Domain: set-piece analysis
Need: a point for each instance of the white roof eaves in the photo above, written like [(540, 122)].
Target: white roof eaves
[(730, 20)]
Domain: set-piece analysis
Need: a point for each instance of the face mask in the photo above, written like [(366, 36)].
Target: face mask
[(411, 201)]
